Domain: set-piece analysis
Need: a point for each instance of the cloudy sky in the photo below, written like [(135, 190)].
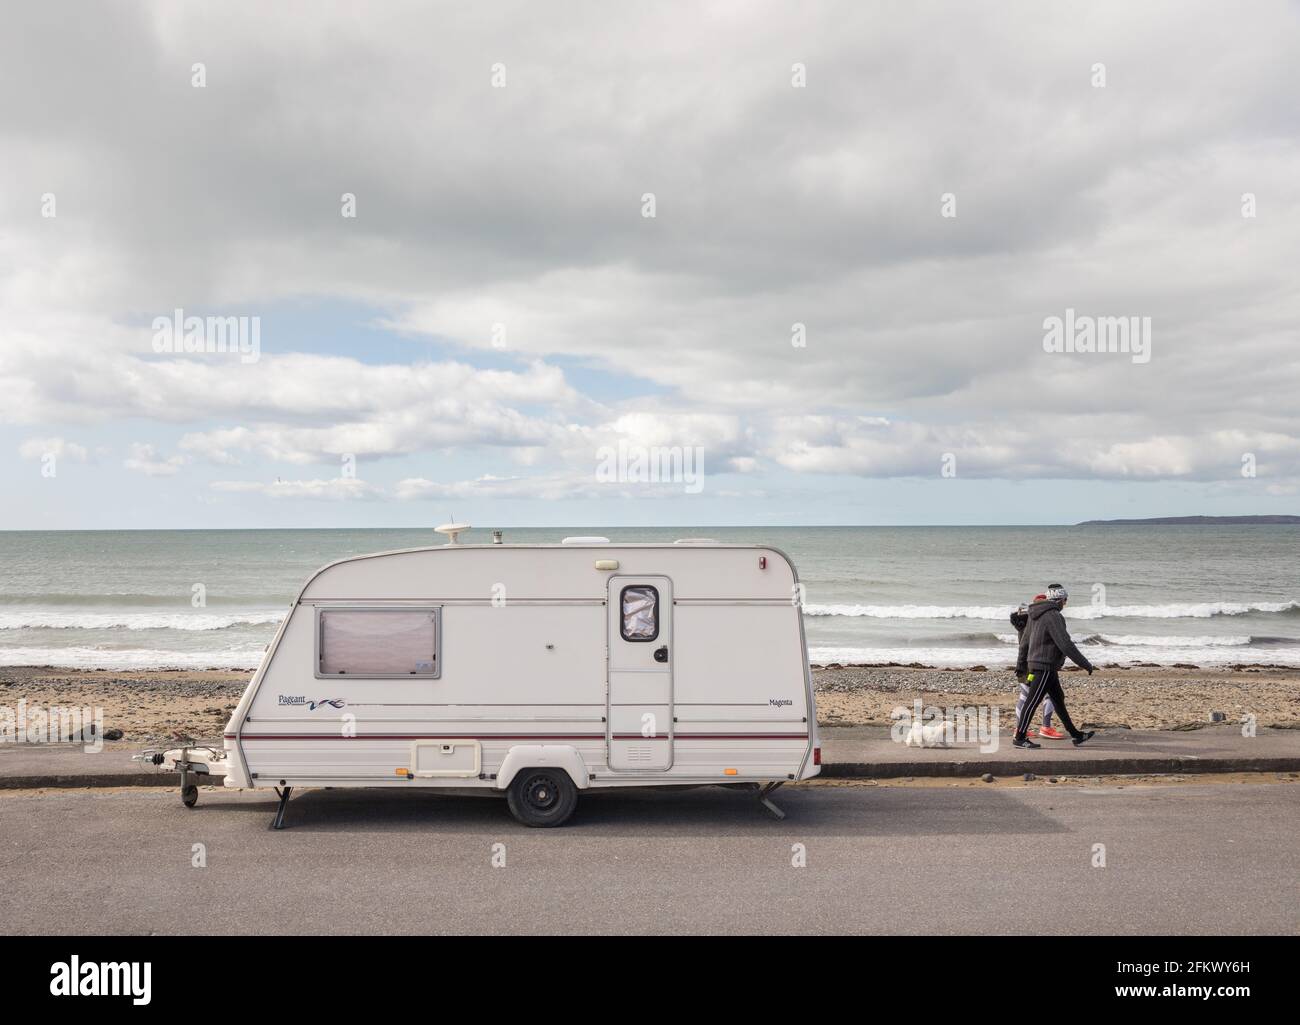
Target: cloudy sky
[(863, 217)]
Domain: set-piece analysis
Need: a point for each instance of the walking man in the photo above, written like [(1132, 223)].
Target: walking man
[(1019, 620), (1044, 645)]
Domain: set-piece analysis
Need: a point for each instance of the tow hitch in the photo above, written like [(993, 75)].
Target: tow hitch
[(195, 763)]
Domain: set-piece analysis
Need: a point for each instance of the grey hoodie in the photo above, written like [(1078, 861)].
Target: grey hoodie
[(1046, 641)]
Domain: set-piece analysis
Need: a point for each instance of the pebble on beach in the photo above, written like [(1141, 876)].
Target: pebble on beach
[(1131, 697)]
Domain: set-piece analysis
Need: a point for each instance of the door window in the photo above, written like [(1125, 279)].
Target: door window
[(640, 606)]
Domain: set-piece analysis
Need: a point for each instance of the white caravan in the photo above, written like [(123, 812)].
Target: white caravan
[(537, 670)]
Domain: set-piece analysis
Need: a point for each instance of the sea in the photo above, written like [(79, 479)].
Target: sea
[(937, 596)]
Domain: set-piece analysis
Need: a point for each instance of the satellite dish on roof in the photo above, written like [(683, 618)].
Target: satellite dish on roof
[(452, 530)]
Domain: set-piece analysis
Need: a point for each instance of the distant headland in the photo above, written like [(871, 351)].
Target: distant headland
[(1162, 521)]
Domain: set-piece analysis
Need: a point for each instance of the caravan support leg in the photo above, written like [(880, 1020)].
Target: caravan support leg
[(279, 812), (763, 799)]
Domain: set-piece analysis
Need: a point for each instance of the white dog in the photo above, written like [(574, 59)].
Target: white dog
[(930, 734)]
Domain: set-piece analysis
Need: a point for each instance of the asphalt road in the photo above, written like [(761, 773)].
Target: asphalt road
[(1201, 858)]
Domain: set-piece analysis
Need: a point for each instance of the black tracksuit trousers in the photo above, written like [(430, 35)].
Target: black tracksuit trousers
[(1045, 684)]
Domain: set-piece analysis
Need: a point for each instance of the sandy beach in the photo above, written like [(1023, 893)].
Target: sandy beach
[(147, 706), (1139, 698), (150, 706)]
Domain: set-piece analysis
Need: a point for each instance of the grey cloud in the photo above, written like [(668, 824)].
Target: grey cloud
[(775, 205)]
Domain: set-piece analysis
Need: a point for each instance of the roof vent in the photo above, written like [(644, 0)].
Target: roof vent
[(452, 530), (585, 541)]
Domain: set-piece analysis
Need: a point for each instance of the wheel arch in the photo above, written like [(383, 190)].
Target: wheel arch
[(537, 756)]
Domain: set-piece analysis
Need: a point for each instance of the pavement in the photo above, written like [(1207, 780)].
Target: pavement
[(870, 752), (847, 752), (967, 858), (23, 766)]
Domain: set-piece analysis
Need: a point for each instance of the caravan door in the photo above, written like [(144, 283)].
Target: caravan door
[(639, 716)]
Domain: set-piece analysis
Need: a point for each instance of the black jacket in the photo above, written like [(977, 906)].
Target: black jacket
[(1019, 620), (1046, 641)]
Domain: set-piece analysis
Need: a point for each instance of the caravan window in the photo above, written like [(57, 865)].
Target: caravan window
[(640, 612), (377, 642)]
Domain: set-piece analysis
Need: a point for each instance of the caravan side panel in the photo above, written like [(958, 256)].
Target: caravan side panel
[(740, 690), (509, 675)]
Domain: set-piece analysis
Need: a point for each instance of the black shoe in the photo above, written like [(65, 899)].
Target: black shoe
[(1026, 742), (1083, 738)]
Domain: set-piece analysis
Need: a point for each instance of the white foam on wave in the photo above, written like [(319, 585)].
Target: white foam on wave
[(1193, 610), (912, 611), (1136, 640), (1130, 640), (130, 659), (45, 620), (996, 658)]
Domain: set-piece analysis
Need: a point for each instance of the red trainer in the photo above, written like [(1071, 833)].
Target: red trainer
[(1051, 733)]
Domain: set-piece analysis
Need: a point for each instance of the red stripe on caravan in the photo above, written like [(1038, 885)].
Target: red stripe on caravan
[(742, 736), (715, 736), (424, 736), (514, 736)]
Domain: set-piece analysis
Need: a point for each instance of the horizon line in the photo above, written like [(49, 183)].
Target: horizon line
[(670, 526)]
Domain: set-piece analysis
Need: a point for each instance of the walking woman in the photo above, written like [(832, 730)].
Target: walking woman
[(1044, 644)]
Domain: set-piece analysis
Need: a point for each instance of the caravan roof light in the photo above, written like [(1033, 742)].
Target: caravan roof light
[(585, 541)]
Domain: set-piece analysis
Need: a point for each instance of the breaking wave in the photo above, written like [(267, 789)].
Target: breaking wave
[(1140, 640), (1002, 657), (132, 620), (1195, 610), (131, 659)]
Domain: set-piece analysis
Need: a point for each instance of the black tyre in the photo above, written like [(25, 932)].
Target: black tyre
[(542, 797), (190, 796)]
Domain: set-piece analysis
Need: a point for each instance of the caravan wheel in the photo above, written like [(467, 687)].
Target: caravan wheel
[(542, 797)]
